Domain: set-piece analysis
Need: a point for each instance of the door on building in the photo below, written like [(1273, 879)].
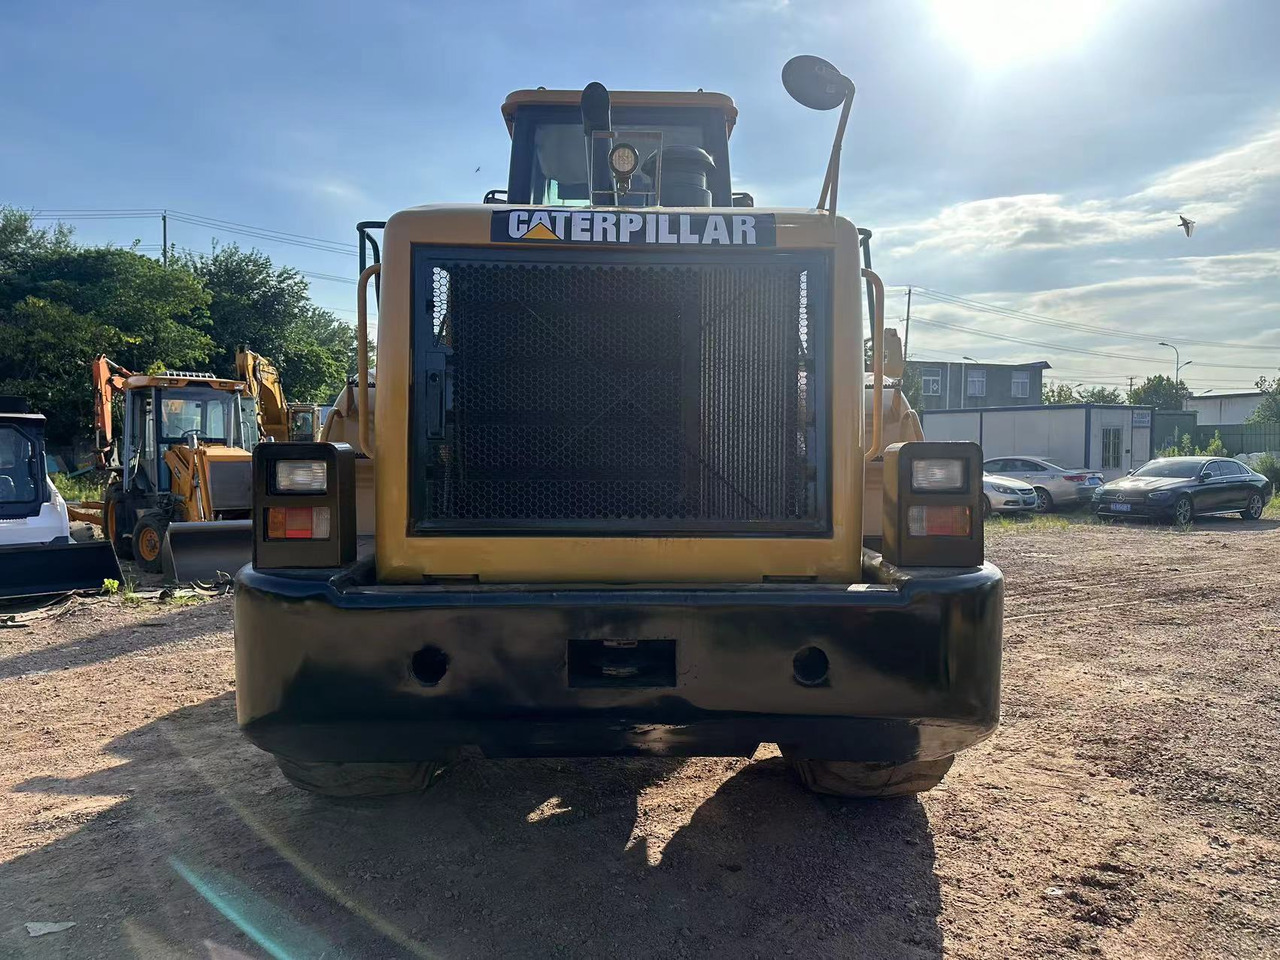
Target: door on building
[(1113, 448)]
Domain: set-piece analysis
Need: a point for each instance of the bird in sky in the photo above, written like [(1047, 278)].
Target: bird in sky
[(1187, 225)]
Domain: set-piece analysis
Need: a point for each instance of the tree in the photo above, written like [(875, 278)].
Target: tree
[(269, 309), (1100, 395), (1269, 409), (60, 305), (1058, 393), (1160, 392)]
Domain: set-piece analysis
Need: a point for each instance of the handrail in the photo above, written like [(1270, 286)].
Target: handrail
[(877, 366), (362, 353)]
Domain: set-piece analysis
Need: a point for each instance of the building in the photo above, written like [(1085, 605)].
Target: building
[(984, 384), (1224, 407), (1111, 438)]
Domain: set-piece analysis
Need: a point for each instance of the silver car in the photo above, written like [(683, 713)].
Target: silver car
[(1055, 486), (1006, 495)]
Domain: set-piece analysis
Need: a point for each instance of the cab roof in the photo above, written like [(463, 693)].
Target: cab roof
[(621, 98)]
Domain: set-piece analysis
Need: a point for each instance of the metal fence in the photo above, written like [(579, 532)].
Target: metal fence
[(1239, 437)]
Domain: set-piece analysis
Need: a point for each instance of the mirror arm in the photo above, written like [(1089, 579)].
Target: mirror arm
[(831, 183)]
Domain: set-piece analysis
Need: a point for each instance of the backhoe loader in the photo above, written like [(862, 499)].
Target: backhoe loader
[(620, 457), (180, 498)]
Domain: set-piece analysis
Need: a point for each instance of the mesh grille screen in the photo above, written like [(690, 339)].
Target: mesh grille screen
[(664, 396)]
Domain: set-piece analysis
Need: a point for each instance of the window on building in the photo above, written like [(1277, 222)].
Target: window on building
[(931, 382), (977, 383), (1021, 383), (1112, 438)]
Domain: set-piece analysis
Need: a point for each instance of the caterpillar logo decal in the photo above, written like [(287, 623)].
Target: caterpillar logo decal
[(620, 228)]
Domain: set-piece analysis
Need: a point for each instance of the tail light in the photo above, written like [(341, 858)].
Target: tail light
[(303, 505), (1076, 477), (932, 498)]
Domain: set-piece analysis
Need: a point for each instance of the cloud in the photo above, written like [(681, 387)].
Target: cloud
[(1225, 180), (1209, 190), (1030, 222)]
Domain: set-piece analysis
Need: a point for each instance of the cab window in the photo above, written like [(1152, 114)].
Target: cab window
[(18, 480), (549, 151)]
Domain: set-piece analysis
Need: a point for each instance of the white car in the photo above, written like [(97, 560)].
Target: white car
[(1006, 495)]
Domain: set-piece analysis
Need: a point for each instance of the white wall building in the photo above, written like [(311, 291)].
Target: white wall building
[(1094, 436), (1224, 407)]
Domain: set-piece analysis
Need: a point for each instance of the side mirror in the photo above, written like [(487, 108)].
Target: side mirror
[(1203, 477), (1129, 472), (815, 83), (894, 366)]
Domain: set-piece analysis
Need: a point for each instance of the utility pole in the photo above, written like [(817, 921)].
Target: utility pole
[(906, 335), (164, 229), (1131, 384)]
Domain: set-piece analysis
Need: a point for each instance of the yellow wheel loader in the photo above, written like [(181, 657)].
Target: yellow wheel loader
[(620, 462)]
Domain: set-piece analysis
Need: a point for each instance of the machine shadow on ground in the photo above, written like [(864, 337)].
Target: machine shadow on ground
[(205, 851)]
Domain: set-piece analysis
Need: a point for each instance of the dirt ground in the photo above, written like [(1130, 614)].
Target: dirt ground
[(1126, 808)]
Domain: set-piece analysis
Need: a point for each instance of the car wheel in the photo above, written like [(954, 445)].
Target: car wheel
[(1044, 502), (1183, 511), (148, 538), (849, 778), (1254, 510), (986, 507), (332, 779)]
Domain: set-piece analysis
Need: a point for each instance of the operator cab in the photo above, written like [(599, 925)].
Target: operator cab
[(186, 414), (549, 145)]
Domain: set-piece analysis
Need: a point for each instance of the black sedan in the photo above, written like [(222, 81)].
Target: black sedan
[(1182, 488)]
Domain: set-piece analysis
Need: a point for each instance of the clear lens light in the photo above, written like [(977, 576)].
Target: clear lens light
[(301, 476), (937, 474), (623, 159)]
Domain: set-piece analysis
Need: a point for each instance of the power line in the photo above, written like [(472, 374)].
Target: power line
[(216, 224), (1089, 376), (1079, 350), (983, 306)]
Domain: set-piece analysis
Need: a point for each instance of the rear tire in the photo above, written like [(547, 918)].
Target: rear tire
[(848, 778), (986, 507), (332, 779), (1044, 502), (148, 538), (113, 525), (1254, 510)]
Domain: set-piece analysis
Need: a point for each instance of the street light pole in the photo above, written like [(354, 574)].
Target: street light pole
[(1176, 365)]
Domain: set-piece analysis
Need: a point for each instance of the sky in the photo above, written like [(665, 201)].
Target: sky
[(1022, 165)]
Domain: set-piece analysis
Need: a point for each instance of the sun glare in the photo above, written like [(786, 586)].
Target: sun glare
[(999, 33)]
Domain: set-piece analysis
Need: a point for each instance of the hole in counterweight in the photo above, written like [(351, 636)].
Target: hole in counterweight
[(810, 666), (429, 665)]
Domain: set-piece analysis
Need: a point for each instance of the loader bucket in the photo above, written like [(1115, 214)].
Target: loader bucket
[(34, 569), (199, 552)]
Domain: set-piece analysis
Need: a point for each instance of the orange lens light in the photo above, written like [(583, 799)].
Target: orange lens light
[(939, 521)]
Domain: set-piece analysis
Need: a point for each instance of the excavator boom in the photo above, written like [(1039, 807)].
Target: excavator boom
[(263, 380)]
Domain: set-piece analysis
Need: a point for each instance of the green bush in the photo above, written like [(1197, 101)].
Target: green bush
[(1269, 467), (88, 486)]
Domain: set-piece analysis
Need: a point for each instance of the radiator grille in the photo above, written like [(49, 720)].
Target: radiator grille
[(637, 394), (231, 484)]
